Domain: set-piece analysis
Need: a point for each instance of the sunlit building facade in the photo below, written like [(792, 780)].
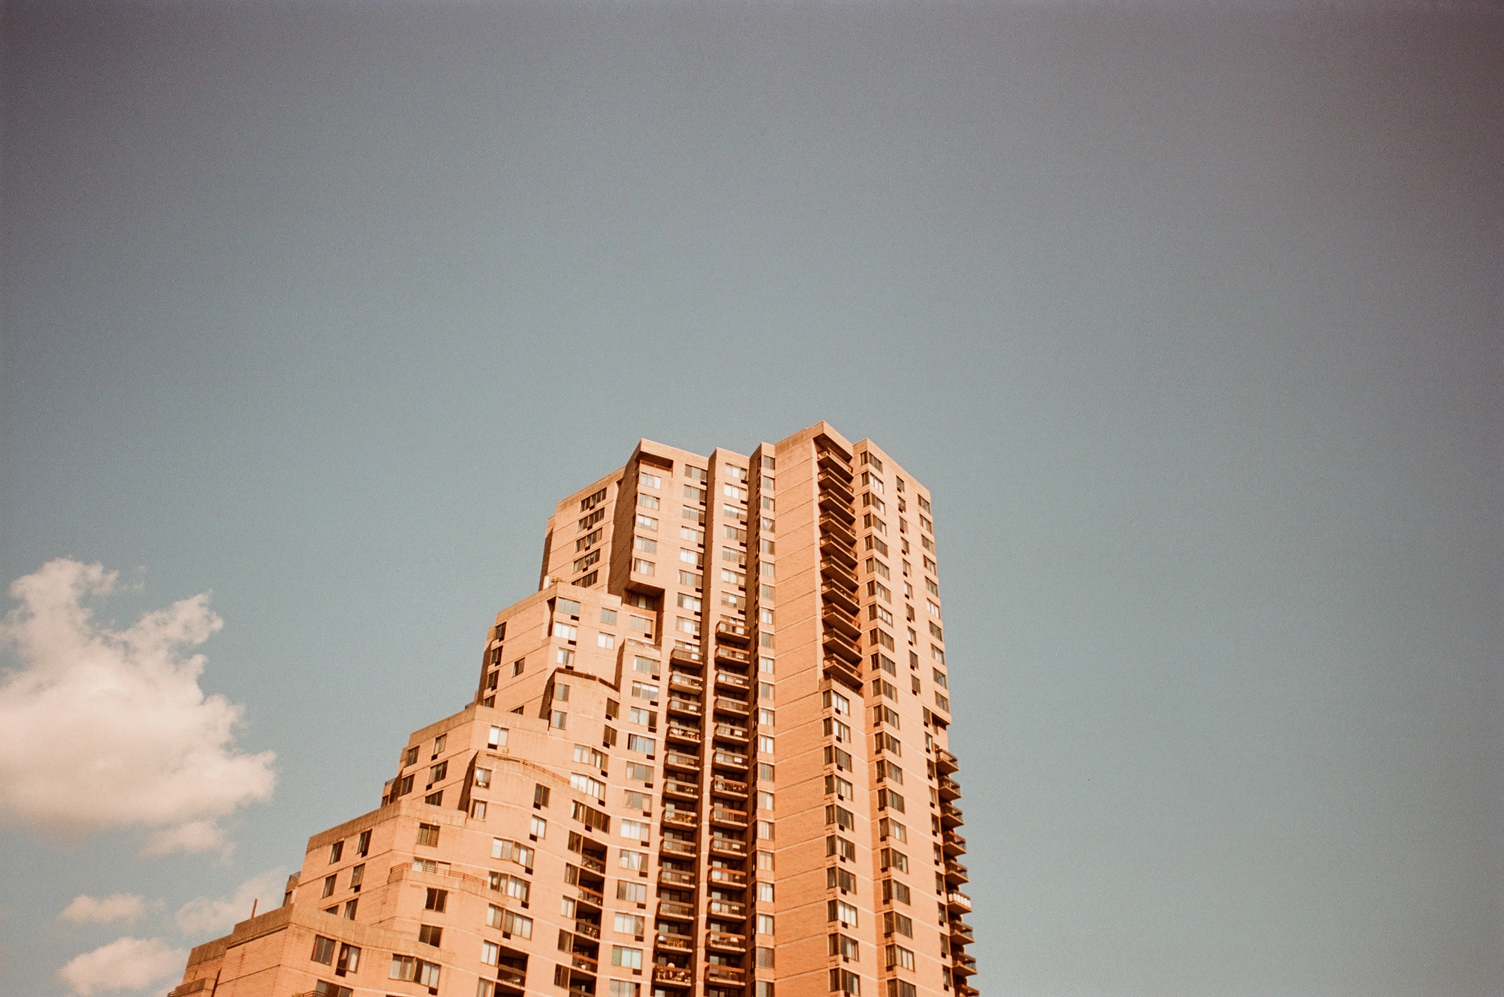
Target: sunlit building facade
[(707, 758)]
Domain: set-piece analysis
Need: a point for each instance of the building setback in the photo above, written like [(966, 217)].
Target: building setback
[(708, 758)]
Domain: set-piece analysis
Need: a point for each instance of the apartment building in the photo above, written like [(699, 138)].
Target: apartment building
[(707, 758)]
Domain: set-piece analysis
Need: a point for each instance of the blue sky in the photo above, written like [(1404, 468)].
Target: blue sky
[(1188, 314)]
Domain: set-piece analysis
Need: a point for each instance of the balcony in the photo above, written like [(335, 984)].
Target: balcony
[(684, 656), (729, 787), (588, 929), (681, 761), (733, 706), (956, 900), (836, 619), (954, 844), (589, 896), (724, 653), (965, 964), (838, 574), (833, 486), (683, 790), (837, 529), (730, 760), (676, 943), (832, 462), (950, 815), (685, 683), (833, 506), (594, 865), (676, 910), (727, 908), (728, 877), (725, 974), (731, 732), (509, 976), (673, 846), (672, 976), (732, 680), (955, 873), (676, 877), (964, 990), (687, 706), (731, 818), (725, 941), (675, 732), (945, 762), (727, 846), (844, 672), (681, 818), (949, 788), (960, 929), (839, 597), (734, 632), (843, 648), (838, 551), (583, 963)]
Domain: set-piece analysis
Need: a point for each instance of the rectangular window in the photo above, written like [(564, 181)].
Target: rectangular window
[(836, 786), (896, 923), (627, 958), (894, 860), (886, 770), (643, 567), (628, 890), (634, 829), (841, 879), (893, 890), (435, 900), (888, 798), (429, 934), (636, 742), (840, 910), (428, 834), (835, 845), (890, 828), (835, 728), (840, 817), (323, 950)]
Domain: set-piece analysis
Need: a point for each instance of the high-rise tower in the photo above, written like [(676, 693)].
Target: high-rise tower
[(708, 758)]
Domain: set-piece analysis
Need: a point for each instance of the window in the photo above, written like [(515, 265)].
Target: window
[(894, 860), (581, 563), (628, 890), (876, 612), (890, 828), (939, 678), (639, 623), (845, 980), (639, 773), (323, 950), (836, 845), (894, 890), (942, 702), (477, 809), (629, 924), (837, 786), (764, 800), (428, 834), (589, 816), (888, 798), (559, 719), (429, 934), (627, 958), (623, 988), (645, 690), (635, 829), (540, 795), (765, 892), (586, 755), (512, 851), (839, 758), (435, 900), (357, 876), (335, 851), (490, 952), (587, 785), (876, 636), (834, 728), (882, 687), (885, 715), (833, 700), (894, 922), (636, 742), (565, 631), (840, 817), (840, 910), (329, 885), (633, 860), (764, 743), (637, 801), (429, 865), (900, 956), (842, 879), (935, 631), (517, 666), (643, 567), (438, 772), (539, 828), (512, 886), (886, 770)]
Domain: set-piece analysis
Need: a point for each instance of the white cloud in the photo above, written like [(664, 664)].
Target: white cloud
[(124, 964), (103, 910), (103, 728), (205, 916)]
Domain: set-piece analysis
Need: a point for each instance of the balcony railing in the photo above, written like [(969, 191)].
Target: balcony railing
[(725, 974), (954, 843), (730, 877), (681, 818), (838, 574), (724, 653), (681, 761), (956, 872), (684, 733), (672, 976), (673, 787), (587, 928), (955, 898), (726, 941), (838, 596), (676, 943), (842, 647), (835, 487), (688, 683), (595, 865), (736, 706), (837, 528), (676, 877), (945, 762), (836, 506), (584, 962), (727, 846), (731, 759), (511, 977), (591, 896), (965, 963), (836, 619), (732, 631), (674, 846), (731, 732), (736, 818), (949, 788), (844, 671), (728, 908), (672, 908), (684, 655), (729, 787), (732, 679), (684, 706), (832, 462)]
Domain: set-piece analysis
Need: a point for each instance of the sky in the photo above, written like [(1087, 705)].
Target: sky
[(1188, 313)]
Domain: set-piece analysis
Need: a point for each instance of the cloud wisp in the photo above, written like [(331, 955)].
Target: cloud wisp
[(206, 916), (108, 729), (124, 964), (85, 909)]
